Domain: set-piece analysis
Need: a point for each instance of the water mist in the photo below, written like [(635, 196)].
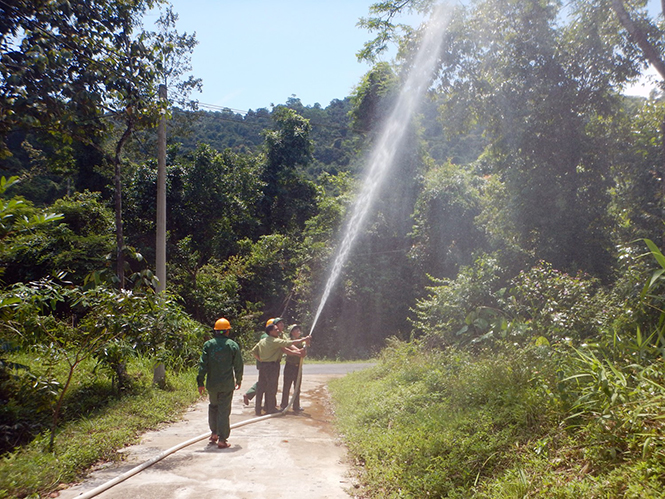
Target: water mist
[(390, 139)]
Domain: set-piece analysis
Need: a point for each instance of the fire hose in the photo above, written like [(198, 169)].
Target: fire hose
[(121, 478)]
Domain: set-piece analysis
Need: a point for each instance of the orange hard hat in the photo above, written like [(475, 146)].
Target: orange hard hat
[(222, 324)]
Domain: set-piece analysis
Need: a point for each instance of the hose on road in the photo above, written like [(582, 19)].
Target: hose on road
[(121, 478)]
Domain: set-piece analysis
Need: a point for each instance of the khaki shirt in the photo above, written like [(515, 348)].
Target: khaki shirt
[(270, 349), (294, 359)]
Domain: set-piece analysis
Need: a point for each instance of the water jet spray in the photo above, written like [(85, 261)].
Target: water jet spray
[(390, 139)]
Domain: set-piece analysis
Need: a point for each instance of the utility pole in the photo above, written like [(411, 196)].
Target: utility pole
[(160, 247)]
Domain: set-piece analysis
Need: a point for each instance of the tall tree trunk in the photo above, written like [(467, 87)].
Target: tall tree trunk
[(639, 37)]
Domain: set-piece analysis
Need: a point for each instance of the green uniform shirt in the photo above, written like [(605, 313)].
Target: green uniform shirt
[(269, 349), (220, 364)]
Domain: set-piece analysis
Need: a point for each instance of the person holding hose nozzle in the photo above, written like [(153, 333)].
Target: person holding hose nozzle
[(291, 370), (268, 351), (221, 363)]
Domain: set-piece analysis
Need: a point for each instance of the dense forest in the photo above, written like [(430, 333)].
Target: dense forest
[(525, 211)]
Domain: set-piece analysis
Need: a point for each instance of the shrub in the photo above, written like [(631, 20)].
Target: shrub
[(68, 325), (441, 317), (554, 304), (77, 245)]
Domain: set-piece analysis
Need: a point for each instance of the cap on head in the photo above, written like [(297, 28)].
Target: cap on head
[(276, 320), (222, 324), (270, 321), (292, 327)]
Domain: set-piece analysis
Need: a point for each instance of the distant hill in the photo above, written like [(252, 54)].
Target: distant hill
[(331, 133), (335, 142)]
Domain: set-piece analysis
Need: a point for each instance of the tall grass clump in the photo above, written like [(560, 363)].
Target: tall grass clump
[(610, 440), (436, 424)]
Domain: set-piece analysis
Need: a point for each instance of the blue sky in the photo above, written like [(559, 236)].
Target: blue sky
[(253, 53)]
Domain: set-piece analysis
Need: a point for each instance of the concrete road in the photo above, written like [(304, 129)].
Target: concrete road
[(291, 456)]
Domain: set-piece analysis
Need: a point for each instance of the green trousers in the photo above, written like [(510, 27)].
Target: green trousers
[(251, 393), (290, 378), (219, 412)]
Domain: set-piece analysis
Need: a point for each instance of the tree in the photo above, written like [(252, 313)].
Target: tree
[(16, 218), (154, 58), (211, 199), (174, 60), (636, 196), (66, 64), (217, 197), (78, 70), (288, 197), (445, 234), (382, 21), (61, 63), (544, 96), (373, 98), (645, 37), (643, 32), (78, 245)]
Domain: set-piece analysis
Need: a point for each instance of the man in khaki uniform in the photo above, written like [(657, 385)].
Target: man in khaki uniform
[(251, 393), (268, 351)]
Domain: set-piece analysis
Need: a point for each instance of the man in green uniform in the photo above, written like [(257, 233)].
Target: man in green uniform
[(221, 363), (268, 351)]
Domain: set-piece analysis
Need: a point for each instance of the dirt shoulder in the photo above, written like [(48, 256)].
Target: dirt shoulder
[(295, 455)]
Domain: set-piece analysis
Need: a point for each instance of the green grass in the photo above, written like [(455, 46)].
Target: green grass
[(83, 441), (453, 424)]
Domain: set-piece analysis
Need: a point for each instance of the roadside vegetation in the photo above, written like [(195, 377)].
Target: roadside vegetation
[(535, 405), (503, 423), (96, 422)]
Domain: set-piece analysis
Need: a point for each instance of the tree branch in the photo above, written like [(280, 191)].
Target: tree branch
[(639, 37)]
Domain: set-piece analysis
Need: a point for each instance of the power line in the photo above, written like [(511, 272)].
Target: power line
[(223, 108)]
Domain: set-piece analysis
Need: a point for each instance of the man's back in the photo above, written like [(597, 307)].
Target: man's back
[(221, 363)]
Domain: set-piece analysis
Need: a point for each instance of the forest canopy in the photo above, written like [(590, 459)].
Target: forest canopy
[(525, 151)]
